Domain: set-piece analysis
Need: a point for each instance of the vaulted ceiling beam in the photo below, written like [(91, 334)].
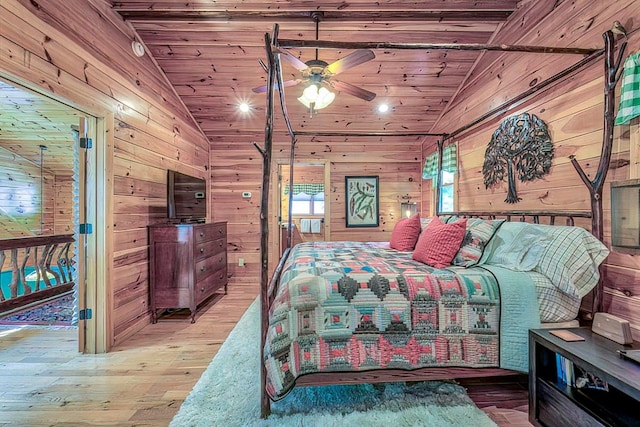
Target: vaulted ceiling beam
[(326, 44), (364, 16)]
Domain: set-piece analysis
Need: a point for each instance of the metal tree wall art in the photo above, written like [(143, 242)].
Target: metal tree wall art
[(521, 144)]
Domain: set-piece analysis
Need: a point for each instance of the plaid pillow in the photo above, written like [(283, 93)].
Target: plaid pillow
[(405, 234), (478, 234), (571, 259), (439, 242)]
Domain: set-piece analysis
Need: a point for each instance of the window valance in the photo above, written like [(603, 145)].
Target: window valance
[(310, 189), (449, 162)]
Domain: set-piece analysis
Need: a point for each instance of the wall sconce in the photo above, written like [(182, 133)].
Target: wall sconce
[(408, 208)]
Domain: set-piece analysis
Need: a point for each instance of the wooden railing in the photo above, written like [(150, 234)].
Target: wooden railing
[(37, 253)]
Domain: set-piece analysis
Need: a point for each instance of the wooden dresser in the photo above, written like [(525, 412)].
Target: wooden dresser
[(188, 264)]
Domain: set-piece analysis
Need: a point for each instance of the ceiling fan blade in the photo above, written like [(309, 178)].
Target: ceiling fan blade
[(356, 91), (297, 63), (261, 89), (355, 58)]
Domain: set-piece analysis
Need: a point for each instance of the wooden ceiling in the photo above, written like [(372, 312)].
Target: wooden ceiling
[(210, 52), (29, 121)]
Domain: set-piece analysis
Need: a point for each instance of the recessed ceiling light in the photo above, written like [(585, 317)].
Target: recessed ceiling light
[(244, 107), (383, 108)]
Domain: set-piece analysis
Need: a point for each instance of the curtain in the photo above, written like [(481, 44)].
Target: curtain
[(630, 90), (449, 162), (310, 189)]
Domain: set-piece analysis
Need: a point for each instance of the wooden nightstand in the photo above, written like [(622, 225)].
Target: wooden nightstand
[(554, 403)]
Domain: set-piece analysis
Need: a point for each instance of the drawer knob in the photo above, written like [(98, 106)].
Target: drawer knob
[(220, 231), (202, 268), (201, 250), (201, 234), (201, 289), (220, 260)]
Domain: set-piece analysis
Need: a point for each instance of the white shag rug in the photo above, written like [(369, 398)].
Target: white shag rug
[(228, 394)]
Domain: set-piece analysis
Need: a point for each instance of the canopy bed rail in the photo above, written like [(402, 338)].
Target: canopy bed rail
[(269, 287)]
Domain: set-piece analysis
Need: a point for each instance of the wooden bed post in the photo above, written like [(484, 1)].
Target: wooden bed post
[(287, 122), (611, 77), (439, 175), (290, 207), (265, 406)]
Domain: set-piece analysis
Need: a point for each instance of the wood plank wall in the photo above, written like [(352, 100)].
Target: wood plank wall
[(573, 111), (62, 200), (236, 166), (47, 46), (21, 199)]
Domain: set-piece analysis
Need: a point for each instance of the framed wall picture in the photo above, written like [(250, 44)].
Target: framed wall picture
[(361, 201)]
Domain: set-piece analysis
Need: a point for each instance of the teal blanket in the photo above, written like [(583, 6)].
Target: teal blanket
[(518, 313)]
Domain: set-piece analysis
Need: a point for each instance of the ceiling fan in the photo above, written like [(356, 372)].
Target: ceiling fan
[(319, 73)]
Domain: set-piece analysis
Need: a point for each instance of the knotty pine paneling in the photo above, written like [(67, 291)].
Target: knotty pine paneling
[(236, 166), (64, 212), (27, 202), (573, 111), (47, 46)]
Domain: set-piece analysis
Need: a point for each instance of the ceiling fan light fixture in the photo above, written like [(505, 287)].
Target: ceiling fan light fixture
[(316, 99)]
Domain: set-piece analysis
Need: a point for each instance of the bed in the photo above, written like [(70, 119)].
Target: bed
[(344, 311), (551, 284)]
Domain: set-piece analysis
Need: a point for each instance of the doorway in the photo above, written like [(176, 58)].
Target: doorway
[(49, 193), (309, 208)]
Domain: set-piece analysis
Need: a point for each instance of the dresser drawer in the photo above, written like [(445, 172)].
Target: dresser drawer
[(208, 232), (210, 248), (203, 269), (210, 284)]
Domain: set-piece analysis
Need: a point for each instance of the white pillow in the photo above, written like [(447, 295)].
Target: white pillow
[(517, 246)]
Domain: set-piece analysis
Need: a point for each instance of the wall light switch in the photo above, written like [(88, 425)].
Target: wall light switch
[(240, 262), (246, 195)]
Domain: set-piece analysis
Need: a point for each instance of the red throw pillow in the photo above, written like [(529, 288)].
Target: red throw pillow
[(405, 234), (439, 242)]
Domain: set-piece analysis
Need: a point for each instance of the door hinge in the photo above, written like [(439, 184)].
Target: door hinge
[(86, 228), (86, 314), (86, 142)]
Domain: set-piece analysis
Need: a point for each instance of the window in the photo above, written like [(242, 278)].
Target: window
[(447, 184), (446, 192), (307, 204)]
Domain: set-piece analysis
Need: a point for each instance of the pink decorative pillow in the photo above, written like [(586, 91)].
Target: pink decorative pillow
[(439, 242), (405, 234)]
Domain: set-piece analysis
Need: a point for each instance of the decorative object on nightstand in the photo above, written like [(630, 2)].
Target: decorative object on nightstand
[(612, 327)]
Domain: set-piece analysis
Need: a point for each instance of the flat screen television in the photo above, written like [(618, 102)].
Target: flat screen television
[(186, 197)]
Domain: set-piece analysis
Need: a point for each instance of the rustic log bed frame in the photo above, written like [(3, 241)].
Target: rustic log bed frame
[(268, 286)]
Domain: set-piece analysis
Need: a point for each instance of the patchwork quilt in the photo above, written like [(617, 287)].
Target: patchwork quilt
[(354, 306)]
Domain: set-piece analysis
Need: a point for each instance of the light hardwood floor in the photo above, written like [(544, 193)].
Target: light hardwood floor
[(45, 381)]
